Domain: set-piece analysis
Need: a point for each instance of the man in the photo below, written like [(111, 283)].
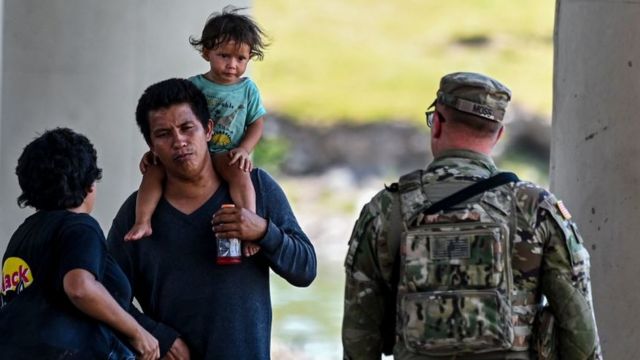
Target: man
[(452, 262), (192, 305)]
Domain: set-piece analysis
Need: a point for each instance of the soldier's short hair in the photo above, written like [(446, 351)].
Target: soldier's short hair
[(471, 122)]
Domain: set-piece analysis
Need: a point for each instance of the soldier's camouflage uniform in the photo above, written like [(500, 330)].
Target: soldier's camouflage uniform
[(547, 258)]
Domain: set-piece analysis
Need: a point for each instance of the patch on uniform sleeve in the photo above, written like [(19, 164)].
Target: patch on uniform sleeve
[(563, 210)]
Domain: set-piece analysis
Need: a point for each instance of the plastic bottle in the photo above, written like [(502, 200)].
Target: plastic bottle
[(229, 250)]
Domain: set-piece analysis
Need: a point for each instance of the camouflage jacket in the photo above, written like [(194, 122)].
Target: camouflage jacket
[(547, 257)]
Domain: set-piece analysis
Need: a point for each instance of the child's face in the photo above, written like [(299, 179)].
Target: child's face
[(228, 62)]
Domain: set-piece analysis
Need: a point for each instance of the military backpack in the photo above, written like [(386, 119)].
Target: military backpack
[(454, 272)]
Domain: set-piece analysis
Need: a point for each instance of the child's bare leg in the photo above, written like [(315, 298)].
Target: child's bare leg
[(147, 199), (241, 190), (240, 185), (250, 249)]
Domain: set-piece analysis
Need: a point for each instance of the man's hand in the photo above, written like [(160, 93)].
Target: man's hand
[(179, 351), (238, 223), (241, 156)]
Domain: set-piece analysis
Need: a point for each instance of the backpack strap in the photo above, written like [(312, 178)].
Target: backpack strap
[(471, 191)]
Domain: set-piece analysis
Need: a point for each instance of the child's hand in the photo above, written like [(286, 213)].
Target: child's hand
[(148, 159), (241, 156)]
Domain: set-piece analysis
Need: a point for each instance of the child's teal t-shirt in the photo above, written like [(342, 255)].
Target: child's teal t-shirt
[(232, 108)]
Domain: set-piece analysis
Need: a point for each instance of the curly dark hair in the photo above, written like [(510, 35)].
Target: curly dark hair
[(56, 169), (166, 93), (229, 25)]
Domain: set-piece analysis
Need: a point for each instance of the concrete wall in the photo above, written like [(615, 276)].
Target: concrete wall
[(1, 57), (595, 158), (83, 64)]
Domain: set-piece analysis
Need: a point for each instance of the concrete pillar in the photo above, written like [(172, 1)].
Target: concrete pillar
[(83, 64), (1, 57), (595, 153)]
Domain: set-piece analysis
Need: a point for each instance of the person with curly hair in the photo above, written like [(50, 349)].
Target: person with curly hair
[(62, 295)]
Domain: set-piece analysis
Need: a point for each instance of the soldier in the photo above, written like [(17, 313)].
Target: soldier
[(455, 261)]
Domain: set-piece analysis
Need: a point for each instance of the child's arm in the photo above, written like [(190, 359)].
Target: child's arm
[(249, 141), (91, 297)]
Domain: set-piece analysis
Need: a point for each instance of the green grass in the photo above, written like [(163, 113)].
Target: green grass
[(363, 61), (527, 168)]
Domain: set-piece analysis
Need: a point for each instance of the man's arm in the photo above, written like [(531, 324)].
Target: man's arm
[(567, 285), (287, 248), (364, 300), (121, 253)]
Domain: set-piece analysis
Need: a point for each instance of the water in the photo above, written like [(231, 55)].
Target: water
[(307, 321)]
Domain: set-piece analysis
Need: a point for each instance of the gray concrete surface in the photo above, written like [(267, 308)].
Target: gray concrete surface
[(595, 153)]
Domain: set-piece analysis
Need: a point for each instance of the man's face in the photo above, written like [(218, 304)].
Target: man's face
[(179, 140)]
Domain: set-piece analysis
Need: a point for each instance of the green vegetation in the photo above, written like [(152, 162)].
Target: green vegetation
[(270, 152), (526, 168), (363, 60)]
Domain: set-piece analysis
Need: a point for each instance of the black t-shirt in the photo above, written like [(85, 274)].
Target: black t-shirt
[(45, 247)]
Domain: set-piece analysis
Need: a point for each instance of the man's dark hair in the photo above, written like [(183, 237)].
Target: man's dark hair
[(56, 169), (166, 93), (229, 25)]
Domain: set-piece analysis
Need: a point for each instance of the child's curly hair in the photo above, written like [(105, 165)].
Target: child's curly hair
[(231, 26)]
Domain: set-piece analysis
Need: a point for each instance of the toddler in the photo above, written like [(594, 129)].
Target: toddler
[(228, 41)]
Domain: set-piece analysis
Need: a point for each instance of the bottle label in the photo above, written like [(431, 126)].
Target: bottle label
[(229, 250)]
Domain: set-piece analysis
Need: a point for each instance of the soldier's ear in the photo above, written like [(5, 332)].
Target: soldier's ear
[(499, 134), (436, 129)]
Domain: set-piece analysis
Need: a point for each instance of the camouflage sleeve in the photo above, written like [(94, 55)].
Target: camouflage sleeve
[(566, 282), (364, 299)]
